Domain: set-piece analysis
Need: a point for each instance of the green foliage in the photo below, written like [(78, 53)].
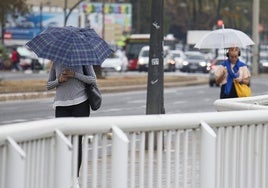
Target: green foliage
[(3, 53), (12, 7), (179, 15), (141, 15), (183, 15)]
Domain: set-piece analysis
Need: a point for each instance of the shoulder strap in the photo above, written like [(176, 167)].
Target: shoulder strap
[(84, 70)]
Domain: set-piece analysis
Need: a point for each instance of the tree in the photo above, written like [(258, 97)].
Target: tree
[(189, 15), (141, 16), (237, 15), (13, 8)]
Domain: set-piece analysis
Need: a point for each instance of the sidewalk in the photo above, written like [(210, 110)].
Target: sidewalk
[(30, 89)]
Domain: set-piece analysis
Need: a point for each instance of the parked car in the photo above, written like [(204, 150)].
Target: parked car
[(195, 62), (115, 63), (213, 67), (143, 59)]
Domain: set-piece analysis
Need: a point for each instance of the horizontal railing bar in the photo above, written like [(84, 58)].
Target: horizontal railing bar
[(243, 103), (45, 128)]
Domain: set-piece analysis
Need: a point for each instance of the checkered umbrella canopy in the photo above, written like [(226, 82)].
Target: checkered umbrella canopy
[(71, 46)]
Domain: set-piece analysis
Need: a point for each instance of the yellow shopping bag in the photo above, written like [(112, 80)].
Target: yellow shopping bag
[(242, 90)]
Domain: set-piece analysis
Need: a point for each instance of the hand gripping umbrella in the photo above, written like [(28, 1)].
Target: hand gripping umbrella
[(71, 46), (224, 38)]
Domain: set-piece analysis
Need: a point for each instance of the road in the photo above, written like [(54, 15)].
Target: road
[(176, 100)]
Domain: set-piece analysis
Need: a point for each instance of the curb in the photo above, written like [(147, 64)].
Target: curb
[(110, 89)]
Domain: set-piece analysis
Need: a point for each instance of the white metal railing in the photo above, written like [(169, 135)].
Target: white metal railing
[(245, 103), (207, 150)]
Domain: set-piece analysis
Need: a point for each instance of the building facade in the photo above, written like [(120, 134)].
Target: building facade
[(110, 20)]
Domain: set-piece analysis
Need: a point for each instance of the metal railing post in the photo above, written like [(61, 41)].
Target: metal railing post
[(15, 168), (63, 161), (119, 158), (208, 157)]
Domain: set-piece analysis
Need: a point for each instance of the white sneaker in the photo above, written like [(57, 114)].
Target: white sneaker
[(75, 182)]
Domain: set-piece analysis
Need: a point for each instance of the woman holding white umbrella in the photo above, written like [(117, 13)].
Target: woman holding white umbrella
[(229, 71)]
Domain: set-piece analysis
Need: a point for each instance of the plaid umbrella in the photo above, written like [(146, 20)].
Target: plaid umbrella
[(71, 46)]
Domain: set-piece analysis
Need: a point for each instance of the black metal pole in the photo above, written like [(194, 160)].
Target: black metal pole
[(155, 83), (155, 99)]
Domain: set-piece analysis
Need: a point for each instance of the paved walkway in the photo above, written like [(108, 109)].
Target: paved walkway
[(188, 175)]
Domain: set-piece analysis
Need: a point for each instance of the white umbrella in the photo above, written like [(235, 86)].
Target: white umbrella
[(224, 38)]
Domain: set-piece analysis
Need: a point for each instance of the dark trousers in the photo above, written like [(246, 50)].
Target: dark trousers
[(16, 66), (231, 95), (79, 110)]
